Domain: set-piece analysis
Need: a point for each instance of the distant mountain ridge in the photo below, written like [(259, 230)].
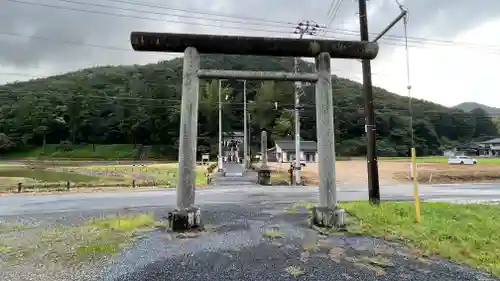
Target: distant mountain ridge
[(469, 106)]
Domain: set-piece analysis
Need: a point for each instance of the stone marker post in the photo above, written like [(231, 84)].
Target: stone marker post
[(264, 171), (263, 147)]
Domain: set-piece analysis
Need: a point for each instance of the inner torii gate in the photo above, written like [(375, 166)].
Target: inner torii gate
[(187, 216)]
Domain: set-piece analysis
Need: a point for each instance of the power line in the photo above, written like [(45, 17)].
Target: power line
[(144, 18), (393, 39), (259, 21), (332, 13), (239, 17), (52, 40), (332, 5), (419, 40), (239, 21)]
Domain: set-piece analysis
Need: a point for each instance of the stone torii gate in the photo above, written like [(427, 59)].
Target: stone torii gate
[(186, 216)]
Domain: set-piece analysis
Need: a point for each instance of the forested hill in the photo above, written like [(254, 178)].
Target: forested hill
[(469, 106), (141, 104)]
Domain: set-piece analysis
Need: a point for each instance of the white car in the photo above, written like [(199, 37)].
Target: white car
[(302, 162), (462, 160)]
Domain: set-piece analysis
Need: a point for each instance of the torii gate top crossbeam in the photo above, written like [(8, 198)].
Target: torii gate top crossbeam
[(258, 46)]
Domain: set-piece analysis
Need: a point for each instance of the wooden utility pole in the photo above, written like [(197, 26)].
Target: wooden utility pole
[(220, 159), (371, 138)]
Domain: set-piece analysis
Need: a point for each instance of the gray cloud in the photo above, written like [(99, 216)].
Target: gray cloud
[(446, 18)]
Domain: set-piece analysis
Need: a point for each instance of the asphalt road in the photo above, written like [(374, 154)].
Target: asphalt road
[(238, 192)]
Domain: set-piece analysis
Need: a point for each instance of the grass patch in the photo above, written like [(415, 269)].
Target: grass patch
[(463, 233), (110, 248), (295, 207), (124, 223), (45, 175), (273, 233), (9, 227), (4, 249), (155, 174), (306, 205), (112, 233), (280, 178), (161, 224), (18, 227), (82, 151), (99, 237), (164, 175), (91, 241)]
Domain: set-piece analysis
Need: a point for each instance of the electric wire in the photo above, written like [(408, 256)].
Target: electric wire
[(332, 14), (395, 40)]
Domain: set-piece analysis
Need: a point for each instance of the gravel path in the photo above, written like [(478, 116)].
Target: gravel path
[(237, 246)]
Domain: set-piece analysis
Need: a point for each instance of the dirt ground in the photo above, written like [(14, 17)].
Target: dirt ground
[(393, 172)]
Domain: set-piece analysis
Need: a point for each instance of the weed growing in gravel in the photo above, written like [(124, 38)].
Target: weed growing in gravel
[(295, 270), (110, 234), (70, 245), (124, 223), (4, 249), (272, 234), (9, 227), (18, 227), (110, 248), (161, 224), (306, 205)]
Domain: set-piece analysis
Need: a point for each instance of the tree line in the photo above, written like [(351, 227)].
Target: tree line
[(140, 104)]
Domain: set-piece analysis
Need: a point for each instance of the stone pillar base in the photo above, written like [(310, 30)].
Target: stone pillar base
[(264, 176), (328, 217), (183, 220)]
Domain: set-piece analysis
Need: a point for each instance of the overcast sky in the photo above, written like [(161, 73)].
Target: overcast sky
[(44, 37)]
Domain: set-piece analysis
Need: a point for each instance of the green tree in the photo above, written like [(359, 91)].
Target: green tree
[(283, 127), (140, 105), (484, 123), (496, 121), (5, 143)]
